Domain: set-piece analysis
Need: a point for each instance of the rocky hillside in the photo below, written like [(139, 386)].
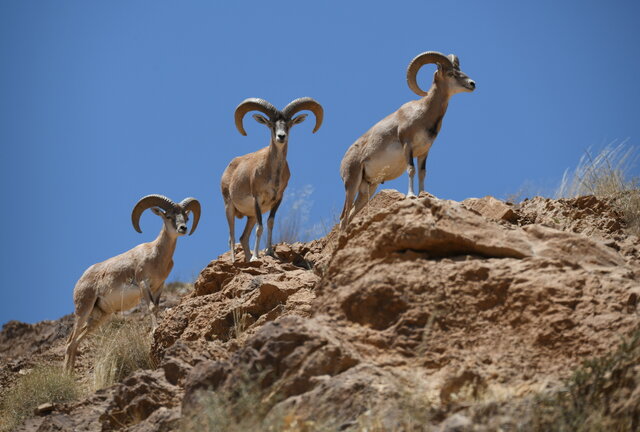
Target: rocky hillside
[(426, 315)]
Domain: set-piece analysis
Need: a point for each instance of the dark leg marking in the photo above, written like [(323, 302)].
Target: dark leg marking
[(258, 211)]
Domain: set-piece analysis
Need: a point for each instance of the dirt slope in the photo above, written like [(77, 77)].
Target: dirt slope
[(423, 315)]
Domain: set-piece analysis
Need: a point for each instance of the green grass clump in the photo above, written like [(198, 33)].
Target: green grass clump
[(41, 385), (121, 347)]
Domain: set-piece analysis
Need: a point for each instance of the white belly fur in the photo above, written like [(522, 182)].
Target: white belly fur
[(120, 299), (245, 205), (386, 165), (391, 163)]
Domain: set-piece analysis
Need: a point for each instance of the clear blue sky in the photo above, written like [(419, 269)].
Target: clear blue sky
[(103, 102)]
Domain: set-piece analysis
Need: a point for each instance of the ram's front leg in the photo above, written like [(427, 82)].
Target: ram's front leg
[(155, 297), (411, 169), (270, 221), (152, 303)]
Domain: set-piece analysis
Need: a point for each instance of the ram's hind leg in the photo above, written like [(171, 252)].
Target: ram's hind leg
[(364, 195), (351, 185), (230, 211), (84, 325), (72, 341)]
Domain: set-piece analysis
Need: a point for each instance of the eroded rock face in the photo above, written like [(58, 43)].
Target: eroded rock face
[(18, 339), (587, 215), (492, 208), (292, 352), (420, 310), (137, 397), (429, 297), (429, 283), (229, 300), (144, 401)]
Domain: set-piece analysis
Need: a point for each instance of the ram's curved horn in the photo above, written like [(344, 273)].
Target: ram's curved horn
[(192, 205), (253, 104), (421, 60), (305, 103), (146, 202)]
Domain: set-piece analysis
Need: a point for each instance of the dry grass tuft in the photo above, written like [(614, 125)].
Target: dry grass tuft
[(600, 396), (43, 384), (247, 407), (121, 347), (604, 174), (240, 321), (178, 287), (289, 229), (607, 175), (242, 409)]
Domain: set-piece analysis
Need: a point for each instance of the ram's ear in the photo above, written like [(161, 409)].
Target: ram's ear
[(262, 119), (297, 120), (158, 211)]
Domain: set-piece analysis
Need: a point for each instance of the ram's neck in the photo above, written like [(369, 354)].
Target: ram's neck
[(163, 248), (437, 99), (277, 153)]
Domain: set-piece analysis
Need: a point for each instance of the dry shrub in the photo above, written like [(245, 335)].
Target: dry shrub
[(600, 396), (247, 407), (241, 409), (607, 175), (43, 384), (121, 347), (178, 287)]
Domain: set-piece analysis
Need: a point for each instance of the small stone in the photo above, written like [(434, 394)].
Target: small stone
[(492, 208), (456, 423), (44, 409)]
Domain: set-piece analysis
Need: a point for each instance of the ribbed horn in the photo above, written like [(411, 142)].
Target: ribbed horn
[(146, 202), (421, 60), (253, 104), (305, 103), (454, 60), (192, 205)]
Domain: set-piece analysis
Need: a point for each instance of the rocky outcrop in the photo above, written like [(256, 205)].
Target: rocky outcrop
[(422, 311), (588, 215), (432, 297)]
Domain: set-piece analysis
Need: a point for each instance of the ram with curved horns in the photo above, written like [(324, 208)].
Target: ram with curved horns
[(119, 283), (254, 183), (390, 146)]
